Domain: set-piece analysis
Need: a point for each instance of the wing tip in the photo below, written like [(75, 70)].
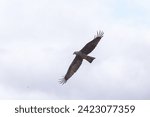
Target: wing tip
[(99, 34), (62, 81)]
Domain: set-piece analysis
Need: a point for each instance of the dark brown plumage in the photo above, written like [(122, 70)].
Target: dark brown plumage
[(80, 55)]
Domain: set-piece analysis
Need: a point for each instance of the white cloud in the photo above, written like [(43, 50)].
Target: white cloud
[(37, 40)]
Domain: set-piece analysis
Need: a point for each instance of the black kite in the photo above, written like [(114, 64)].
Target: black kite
[(82, 54)]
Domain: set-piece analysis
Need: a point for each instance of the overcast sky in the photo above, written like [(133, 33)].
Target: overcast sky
[(38, 38)]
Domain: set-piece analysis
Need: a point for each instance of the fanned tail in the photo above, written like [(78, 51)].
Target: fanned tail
[(90, 59)]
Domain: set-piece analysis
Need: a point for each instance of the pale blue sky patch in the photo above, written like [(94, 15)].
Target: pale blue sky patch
[(130, 11)]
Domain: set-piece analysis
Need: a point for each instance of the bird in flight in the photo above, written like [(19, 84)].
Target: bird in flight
[(82, 54)]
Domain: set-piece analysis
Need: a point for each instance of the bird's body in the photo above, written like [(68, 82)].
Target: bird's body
[(84, 56), (80, 55)]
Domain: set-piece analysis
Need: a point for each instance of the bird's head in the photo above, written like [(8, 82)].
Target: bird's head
[(75, 52)]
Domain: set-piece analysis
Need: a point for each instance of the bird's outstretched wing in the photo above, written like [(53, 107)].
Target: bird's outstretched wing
[(72, 69), (89, 47)]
